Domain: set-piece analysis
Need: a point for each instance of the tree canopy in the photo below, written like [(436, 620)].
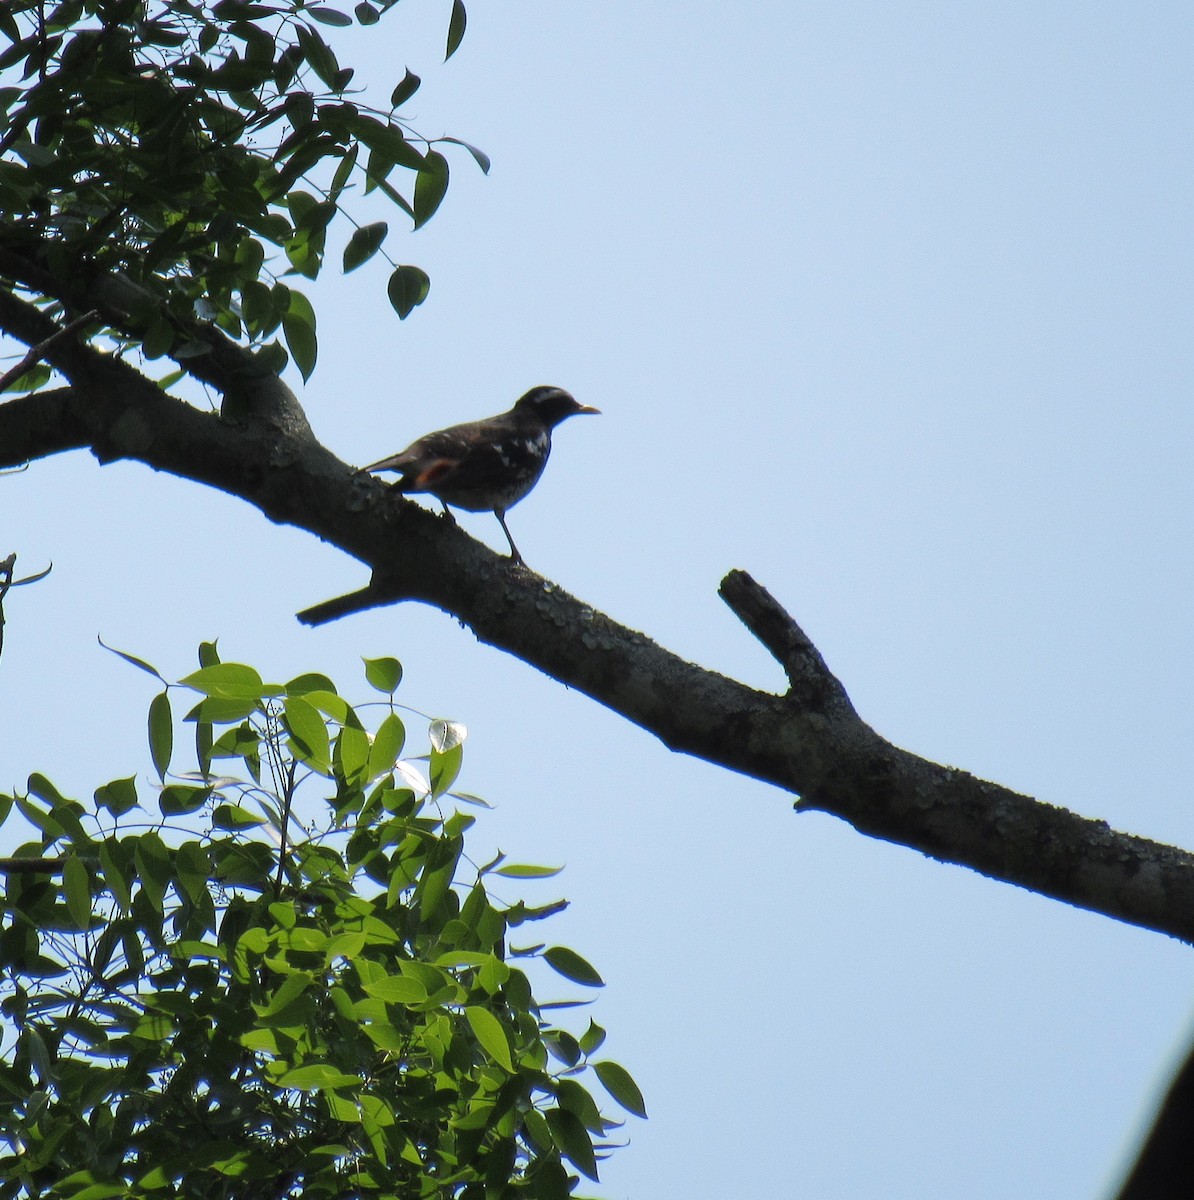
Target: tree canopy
[(287, 981)]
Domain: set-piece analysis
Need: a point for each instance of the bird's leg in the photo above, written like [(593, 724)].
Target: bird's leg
[(448, 513), (501, 516)]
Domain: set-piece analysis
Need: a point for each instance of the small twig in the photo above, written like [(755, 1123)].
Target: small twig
[(38, 352), (342, 606), (7, 581), (287, 802), (811, 681), (31, 866)]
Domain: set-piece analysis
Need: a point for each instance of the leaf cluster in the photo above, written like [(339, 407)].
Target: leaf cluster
[(202, 152), (294, 998)]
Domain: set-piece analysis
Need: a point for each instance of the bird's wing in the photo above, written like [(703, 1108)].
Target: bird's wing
[(450, 445)]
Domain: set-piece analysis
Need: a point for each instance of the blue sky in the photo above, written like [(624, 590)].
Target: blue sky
[(888, 304)]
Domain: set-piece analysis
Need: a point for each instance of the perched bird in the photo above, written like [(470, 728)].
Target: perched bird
[(486, 465)]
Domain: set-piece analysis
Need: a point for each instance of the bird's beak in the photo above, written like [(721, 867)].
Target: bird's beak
[(588, 408)]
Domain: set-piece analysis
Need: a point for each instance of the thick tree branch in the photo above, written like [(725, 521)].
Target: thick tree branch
[(1164, 1167), (809, 741)]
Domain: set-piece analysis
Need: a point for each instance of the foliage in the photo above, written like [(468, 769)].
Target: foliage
[(201, 153), (313, 995)]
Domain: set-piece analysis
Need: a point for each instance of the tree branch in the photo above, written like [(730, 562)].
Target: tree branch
[(808, 741)]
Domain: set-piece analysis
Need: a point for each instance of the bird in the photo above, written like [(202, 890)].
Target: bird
[(485, 465)]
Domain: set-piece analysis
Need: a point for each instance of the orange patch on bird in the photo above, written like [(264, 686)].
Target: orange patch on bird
[(436, 471)]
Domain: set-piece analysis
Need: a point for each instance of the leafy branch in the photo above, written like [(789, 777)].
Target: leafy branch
[(333, 1006)]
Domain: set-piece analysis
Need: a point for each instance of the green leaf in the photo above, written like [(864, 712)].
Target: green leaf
[(405, 89), (290, 989), (388, 143), (527, 871), (117, 797), (82, 1185), (482, 159), (317, 1077), (444, 769), (385, 674), (364, 244), (456, 26), (129, 658), (234, 817), (311, 681), (308, 733), (572, 1096), (177, 799), (592, 1037), (161, 733), (387, 745), (298, 326), (618, 1082), (318, 53), (153, 868), (489, 1032), (396, 989), (77, 885), (431, 185), (352, 754), (231, 681), (118, 870), (193, 865), (570, 964), (408, 288), (572, 1140), (329, 16)]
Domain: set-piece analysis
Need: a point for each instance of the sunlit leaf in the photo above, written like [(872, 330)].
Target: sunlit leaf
[(387, 745), (445, 735), (489, 1032), (308, 733), (229, 681), (527, 871), (397, 989), (445, 767), (385, 674)]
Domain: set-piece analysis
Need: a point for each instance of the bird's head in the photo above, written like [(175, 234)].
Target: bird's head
[(551, 405)]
